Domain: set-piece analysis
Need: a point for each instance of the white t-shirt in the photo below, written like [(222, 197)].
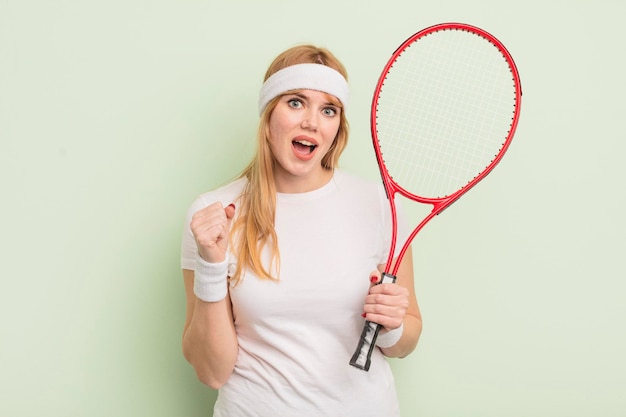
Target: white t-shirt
[(296, 335)]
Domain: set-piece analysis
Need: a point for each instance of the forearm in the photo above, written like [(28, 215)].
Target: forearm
[(209, 338), (210, 342)]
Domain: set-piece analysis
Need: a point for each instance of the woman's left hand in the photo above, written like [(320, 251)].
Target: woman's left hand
[(386, 304)]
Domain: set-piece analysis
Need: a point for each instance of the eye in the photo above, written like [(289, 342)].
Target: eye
[(294, 103), (329, 111)]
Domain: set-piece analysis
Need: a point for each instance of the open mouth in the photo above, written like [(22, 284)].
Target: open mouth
[(303, 146)]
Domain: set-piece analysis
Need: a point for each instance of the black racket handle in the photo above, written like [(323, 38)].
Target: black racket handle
[(362, 357)]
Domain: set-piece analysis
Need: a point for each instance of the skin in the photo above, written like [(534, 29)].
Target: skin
[(209, 338), (302, 129), (392, 305), (306, 118)]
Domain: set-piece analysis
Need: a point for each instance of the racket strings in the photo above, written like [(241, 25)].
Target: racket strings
[(444, 112)]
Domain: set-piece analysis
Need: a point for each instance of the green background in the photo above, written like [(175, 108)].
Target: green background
[(115, 114)]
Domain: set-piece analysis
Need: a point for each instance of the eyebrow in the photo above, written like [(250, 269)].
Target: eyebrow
[(303, 96)]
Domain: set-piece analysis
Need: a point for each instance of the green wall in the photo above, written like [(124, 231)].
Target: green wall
[(115, 114)]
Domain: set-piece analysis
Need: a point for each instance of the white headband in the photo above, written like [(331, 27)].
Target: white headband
[(306, 77)]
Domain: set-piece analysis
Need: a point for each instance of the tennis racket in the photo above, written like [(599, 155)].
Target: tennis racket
[(443, 114)]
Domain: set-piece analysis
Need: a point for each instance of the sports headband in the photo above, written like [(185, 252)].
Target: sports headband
[(306, 77)]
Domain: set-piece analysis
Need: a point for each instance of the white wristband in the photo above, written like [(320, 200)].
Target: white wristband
[(210, 281), (390, 337)]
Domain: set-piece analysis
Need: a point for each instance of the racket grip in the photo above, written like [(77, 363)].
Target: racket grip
[(362, 357)]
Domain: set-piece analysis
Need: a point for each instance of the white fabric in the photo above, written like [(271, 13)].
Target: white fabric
[(210, 281), (296, 336), (304, 76), (389, 338)]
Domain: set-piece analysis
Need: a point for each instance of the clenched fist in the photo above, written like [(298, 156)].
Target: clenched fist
[(211, 227)]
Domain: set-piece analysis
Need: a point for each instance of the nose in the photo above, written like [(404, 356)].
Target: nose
[(310, 120)]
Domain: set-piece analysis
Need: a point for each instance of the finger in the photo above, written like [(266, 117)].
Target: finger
[(387, 316), (386, 304), (396, 300), (389, 289), (374, 277), (209, 235), (230, 211), (217, 218), (209, 216), (211, 224), (208, 224)]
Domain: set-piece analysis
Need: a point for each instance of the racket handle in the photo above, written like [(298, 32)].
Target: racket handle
[(362, 357)]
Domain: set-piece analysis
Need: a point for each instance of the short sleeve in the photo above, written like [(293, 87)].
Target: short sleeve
[(226, 195), (189, 249)]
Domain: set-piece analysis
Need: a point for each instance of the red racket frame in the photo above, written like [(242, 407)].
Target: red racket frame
[(441, 203)]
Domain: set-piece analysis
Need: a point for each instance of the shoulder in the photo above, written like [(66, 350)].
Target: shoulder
[(226, 195), (347, 179), (353, 184)]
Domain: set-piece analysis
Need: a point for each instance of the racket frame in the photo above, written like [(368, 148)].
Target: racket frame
[(371, 330)]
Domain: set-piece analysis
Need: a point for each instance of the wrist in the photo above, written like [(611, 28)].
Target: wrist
[(210, 282), (389, 337)]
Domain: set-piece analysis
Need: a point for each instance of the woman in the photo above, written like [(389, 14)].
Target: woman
[(276, 264)]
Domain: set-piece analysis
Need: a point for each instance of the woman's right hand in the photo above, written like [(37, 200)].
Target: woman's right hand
[(211, 227)]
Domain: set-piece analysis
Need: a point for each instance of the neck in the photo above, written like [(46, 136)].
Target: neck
[(293, 184)]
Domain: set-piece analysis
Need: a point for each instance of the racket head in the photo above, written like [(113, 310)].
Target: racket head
[(444, 112)]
